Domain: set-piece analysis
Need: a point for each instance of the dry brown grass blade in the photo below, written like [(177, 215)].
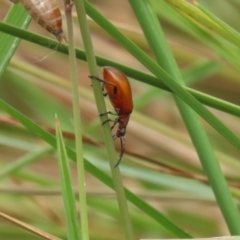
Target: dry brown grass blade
[(29, 228)]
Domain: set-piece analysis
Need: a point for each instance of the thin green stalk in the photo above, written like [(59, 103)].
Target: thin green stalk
[(77, 123), (68, 194), (146, 78), (141, 76), (158, 43), (9, 44), (122, 201)]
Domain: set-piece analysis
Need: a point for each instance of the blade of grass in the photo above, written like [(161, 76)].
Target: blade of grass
[(68, 194), (158, 43), (29, 228), (117, 180), (207, 19), (16, 16), (141, 76), (211, 101), (145, 207), (77, 123)]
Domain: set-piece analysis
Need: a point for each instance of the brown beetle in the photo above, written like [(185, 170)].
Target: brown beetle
[(120, 95)]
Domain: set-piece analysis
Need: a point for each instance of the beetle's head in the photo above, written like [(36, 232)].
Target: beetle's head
[(121, 132)]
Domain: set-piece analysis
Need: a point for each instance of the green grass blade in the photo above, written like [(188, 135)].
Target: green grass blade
[(151, 80), (141, 76), (208, 20), (146, 208), (158, 43), (77, 115), (125, 218), (18, 17), (67, 187)]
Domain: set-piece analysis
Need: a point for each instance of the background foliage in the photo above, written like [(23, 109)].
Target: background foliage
[(160, 165)]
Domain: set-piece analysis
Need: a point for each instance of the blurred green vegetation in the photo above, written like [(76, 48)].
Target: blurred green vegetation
[(160, 164)]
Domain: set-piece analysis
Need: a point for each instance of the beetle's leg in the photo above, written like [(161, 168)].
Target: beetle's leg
[(115, 122), (104, 93), (108, 120), (108, 112)]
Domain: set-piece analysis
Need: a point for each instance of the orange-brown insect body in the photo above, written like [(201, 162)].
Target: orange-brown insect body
[(120, 95), (47, 14)]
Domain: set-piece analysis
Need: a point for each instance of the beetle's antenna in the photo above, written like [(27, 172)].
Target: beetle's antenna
[(122, 141), (105, 82)]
